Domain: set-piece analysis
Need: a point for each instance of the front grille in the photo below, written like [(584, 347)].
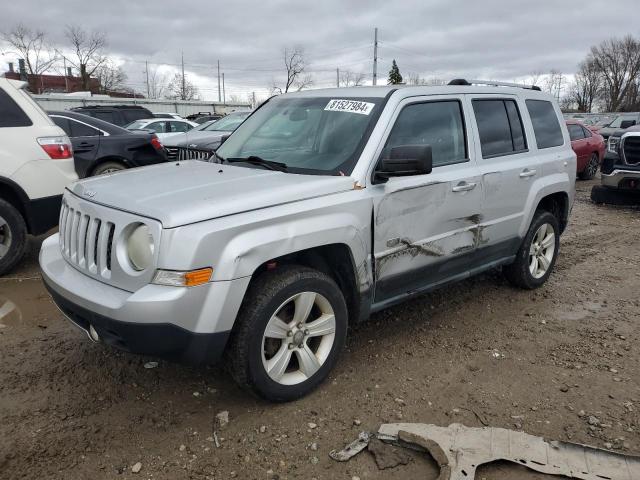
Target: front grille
[(632, 150), (86, 241), (181, 153)]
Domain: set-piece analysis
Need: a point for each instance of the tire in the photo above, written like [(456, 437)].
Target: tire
[(591, 168), (108, 167), (521, 272), (614, 196), (253, 356), (13, 236)]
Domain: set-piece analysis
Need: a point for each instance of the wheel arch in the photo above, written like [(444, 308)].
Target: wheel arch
[(558, 204), (11, 192)]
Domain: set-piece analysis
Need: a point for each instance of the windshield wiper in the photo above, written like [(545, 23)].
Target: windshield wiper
[(254, 160)]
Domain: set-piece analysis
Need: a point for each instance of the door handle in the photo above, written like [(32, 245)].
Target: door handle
[(527, 173), (464, 187)]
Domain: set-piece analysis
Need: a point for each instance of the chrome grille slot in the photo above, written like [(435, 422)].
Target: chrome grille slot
[(86, 242), (631, 150)]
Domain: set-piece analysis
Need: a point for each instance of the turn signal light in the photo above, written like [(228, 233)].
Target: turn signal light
[(192, 278), (197, 277)]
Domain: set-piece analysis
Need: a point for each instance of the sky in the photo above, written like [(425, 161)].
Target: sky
[(487, 39)]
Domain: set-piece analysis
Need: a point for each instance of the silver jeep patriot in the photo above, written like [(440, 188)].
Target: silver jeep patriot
[(323, 207)]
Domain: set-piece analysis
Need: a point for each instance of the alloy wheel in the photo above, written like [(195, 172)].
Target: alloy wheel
[(298, 338), (592, 166), (542, 250)]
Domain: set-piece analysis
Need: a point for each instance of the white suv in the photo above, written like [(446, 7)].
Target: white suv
[(36, 164)]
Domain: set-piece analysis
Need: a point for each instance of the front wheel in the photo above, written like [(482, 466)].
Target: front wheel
[(537, 254), (289, 333)]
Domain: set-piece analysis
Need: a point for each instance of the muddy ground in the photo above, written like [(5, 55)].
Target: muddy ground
[(542, 361)]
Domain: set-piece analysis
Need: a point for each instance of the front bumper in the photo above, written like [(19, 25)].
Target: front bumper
[(622, 178), (190, 324)]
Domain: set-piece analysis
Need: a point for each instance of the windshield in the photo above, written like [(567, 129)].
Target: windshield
[(319, 135), (135, 125), (226, 124), (619, 119)]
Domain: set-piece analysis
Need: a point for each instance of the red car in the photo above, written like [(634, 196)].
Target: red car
[(589, 147)]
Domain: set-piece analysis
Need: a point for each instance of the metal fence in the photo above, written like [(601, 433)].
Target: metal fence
[(181, 107)]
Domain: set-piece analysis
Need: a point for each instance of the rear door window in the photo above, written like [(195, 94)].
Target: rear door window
[(587, 132), (545, 123), (63, 123), (575, 132), (11, 115), (499, 126), (81, 130), (134, 114), (106, 116)]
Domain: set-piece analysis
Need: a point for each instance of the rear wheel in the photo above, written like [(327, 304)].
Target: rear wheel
[(108, 167), (591, 169), (289, 333), (13, 236), (537, 254)]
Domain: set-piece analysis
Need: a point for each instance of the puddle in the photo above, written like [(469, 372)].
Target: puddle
[(25, 303)]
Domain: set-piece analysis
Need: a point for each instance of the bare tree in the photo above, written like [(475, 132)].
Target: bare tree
[(295, 66), (586, 86), (351, 79), (534, 78), (554, 83), (32, 46), (618, 61), (88, 50), (157, 84), (182, 89), (112, 77)]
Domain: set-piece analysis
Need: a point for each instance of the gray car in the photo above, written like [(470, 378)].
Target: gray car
[(324, 206), (201, 141)]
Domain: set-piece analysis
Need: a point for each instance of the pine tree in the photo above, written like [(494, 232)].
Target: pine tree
[(394, 74)]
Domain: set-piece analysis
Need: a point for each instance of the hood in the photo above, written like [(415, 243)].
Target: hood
[(201, 140), (619, 133), (193, 191)]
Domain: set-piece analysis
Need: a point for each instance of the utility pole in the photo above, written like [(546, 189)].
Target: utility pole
[(224, 95), (337, 78), (184, 94), (375, 56), (66, 77), (219, 97), (146, 72), (253, 99)]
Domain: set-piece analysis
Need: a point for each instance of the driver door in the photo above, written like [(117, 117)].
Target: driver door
[(427, 227)]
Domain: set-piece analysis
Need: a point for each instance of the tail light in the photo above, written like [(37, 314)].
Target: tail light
[(58, 148), (155, 141)]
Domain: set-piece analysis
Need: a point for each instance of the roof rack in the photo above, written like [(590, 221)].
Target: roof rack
[(462, 81)]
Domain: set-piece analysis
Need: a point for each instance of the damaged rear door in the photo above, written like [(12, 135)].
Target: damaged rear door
[(426, 227)]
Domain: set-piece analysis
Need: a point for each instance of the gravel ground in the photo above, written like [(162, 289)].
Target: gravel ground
[(560, 362)]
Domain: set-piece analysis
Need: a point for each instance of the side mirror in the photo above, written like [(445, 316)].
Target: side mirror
[(627, 123), (405, 160)]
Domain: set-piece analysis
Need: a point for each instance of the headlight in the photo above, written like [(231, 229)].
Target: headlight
[(612, 144), (140, 248)]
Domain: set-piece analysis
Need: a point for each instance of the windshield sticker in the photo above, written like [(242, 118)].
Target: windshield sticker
[(352, 106)]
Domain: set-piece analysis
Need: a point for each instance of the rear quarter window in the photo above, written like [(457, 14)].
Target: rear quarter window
[(133, 115), (545, 123), (11, 115)]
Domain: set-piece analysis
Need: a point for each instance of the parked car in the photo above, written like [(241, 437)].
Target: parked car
[(120, 115), (36, 163), (202, 117), (620, 122), (202, 141), (325, 206), (589, 148), (620, 169), (167, 115), (162, 127), (101, 147)]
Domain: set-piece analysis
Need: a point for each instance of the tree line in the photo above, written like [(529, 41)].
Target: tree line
[(84, 52)]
